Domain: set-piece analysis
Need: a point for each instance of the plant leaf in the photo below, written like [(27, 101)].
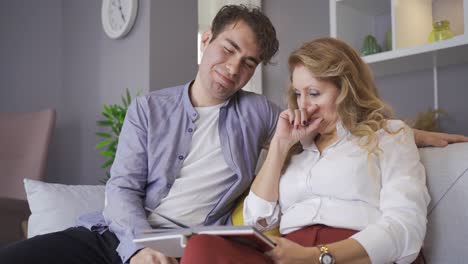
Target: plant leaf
[(126, 99), (107, 163), (107, 153), (109, 117), (107, 109), (103, 143), (103, 135), (119, 109), (104, 123), (114, 116), (115, 130), (113, 144)]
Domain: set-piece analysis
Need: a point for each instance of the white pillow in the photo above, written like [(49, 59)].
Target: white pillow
[(55, 207)]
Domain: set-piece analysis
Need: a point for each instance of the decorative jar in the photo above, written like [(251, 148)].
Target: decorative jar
[(440, 31)]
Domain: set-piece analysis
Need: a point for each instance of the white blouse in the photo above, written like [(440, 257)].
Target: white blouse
[(383, 195)]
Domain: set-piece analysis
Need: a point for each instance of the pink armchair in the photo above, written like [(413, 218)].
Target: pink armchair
[(24, 143)]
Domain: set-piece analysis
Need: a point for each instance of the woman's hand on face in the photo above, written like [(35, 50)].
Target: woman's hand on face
[(297, 124), (287, 251)]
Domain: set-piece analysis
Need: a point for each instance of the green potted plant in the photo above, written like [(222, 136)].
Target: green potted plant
[(114, 116)]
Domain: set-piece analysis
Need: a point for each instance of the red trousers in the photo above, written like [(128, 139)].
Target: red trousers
[(206, 249)]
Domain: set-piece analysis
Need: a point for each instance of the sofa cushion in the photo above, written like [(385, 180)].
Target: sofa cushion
[(447, 181), (55, 207)]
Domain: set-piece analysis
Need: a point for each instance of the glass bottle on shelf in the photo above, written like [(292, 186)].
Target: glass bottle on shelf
[(370, 46), (440, 31)]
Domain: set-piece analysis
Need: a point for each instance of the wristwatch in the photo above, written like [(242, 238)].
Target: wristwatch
[(325, 256)]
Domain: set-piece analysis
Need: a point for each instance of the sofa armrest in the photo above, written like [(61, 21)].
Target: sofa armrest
[(447, 181)]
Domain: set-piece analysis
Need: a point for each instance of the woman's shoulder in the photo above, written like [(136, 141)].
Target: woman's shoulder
[(393, 127), (395, 124), (396, 131)]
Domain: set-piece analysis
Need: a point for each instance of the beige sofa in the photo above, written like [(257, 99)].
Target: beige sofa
[(447, 178)]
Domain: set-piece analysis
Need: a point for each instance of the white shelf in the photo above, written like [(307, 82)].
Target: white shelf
[(410, 21), (353, 20), (447, 52), (368, 6)]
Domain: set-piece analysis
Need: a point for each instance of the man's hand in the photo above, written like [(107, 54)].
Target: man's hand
[(426, 138), (149, 256)]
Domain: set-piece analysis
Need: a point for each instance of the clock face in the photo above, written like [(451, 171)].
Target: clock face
[(118, 16)]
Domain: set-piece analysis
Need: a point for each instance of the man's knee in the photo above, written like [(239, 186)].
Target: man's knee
[(64, 246), (18, 252)]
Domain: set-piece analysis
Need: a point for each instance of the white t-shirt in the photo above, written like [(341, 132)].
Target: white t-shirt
[(384, 197), (203, 179)]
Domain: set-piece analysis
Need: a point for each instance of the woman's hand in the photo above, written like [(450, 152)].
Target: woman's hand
[(297, 124), (287, 251), (426, 138)]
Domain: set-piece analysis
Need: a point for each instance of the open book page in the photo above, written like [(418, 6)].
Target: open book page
[(243, 234), (172, 243)]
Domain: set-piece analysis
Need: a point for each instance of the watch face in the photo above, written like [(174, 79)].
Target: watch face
[(326, 258)]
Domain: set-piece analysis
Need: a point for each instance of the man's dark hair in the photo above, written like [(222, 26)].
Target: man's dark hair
[(256, 20)]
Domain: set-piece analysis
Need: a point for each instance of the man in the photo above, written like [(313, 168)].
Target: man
[(186, 152), (205, 137)]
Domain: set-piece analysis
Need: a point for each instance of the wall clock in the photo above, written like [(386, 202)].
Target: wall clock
[(118, 17)]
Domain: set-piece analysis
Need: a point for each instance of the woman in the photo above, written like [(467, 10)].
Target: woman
[(369, 209)]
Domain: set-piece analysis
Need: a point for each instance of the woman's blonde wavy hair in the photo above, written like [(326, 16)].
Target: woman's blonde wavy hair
[(359, 107)]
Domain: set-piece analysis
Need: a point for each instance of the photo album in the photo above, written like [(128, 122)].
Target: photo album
[(171, 242)]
